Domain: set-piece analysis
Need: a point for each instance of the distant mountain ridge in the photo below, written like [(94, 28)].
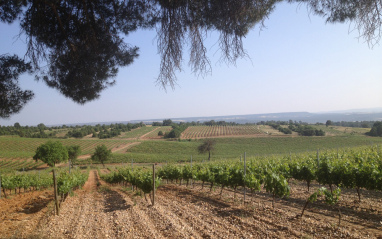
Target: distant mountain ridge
[(295, 116), (374, 114)]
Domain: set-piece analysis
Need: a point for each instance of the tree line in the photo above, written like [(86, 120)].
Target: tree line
[(103, 131)]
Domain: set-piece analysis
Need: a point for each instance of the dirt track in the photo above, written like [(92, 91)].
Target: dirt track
[(104, 211)]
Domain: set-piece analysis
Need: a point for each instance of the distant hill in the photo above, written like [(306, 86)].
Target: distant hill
[(374, 114), (295, 116)]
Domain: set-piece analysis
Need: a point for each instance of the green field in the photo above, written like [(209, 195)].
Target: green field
[(138, 132), (149, 149), (230, 148)]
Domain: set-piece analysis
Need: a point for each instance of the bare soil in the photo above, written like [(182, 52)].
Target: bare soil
[(100, 210)]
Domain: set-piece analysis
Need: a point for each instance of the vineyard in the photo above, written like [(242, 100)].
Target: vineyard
[(218, 131), (288, 187), (154, 133), (138, 132), (361, 169), (324, 195), (14, 183), (8, 165)]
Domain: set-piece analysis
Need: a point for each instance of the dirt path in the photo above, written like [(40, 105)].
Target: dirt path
[(98, 212)]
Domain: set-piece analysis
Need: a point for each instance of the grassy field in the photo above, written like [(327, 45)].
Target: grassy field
[(230, 148), (269, 142)]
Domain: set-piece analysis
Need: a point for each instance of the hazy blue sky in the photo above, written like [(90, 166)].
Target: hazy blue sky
[(298, 63)]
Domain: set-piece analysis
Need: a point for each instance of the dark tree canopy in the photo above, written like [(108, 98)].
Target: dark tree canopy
[(12, 98), (376, 130), (77, 47)]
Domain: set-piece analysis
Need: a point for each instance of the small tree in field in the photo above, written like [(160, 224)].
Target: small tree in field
[(101, 154), (73, 152), (207, 146), (51, 153)]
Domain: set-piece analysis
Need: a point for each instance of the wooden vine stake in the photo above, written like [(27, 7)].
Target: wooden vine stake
[(191, 171), (153, 184), (55, 193), (318, 158), (0, 185), (244, 175), (132, 186)]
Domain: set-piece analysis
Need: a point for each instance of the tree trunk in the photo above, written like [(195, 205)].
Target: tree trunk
[(339, 216), (306, 204), (5, 194), (359, 193), (209, 155)]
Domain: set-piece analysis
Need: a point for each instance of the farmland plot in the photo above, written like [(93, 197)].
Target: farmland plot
[(153, 134), (221, 131), (109, 211), (138, 132)]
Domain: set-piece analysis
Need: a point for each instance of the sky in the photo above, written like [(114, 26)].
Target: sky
[(297, 63)]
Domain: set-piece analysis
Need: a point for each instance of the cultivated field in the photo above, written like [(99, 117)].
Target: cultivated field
[(193, 132), (101, 210)]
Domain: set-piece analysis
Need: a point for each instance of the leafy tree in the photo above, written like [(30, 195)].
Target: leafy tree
[(328, 123), (51, 153), (376, 130), (207, 146), (41, 126), (167, 122), (73, 152), (157, 124), (160, 133), (101, 154)]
